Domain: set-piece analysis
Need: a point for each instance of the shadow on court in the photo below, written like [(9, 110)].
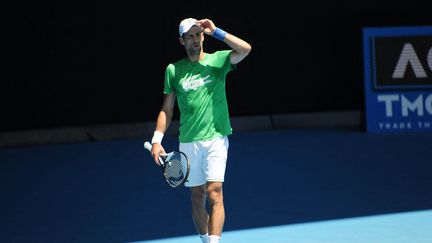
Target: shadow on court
[(110, 191)]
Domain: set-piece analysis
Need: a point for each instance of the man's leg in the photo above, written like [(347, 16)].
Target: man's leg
[(217, 154), (199, 212), (217, 210)]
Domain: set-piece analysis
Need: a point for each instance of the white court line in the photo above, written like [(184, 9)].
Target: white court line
[(407, 227)]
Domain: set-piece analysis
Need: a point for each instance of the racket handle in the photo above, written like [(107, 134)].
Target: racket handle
[(147, 146)]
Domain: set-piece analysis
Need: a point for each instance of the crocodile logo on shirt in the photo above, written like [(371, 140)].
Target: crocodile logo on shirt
[(194, 82)]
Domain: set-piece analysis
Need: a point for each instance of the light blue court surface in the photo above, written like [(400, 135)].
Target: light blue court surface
[(392, 228), (286, 186)]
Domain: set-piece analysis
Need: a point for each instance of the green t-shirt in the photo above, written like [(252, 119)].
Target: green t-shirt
[(201, 96)]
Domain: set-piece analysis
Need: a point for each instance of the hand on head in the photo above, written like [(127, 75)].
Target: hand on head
[(208, 26)]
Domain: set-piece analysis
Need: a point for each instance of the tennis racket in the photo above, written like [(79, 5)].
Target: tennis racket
[(175, 166)]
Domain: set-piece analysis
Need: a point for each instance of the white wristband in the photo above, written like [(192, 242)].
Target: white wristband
[(157, 137)]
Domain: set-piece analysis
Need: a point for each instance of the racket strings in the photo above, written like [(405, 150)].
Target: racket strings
[(174, 170)]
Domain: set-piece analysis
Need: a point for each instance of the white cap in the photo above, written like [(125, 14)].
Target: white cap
[(186, 24)]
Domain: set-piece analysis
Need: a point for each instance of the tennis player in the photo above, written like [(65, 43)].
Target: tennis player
[(197, 82)]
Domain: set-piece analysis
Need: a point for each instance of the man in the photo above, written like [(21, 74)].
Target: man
[(198, 83)]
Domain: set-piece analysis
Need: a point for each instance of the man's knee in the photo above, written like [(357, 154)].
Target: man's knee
[(198, 195), (214, 192)]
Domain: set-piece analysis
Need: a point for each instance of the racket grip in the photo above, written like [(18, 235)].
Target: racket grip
[(147, 146)]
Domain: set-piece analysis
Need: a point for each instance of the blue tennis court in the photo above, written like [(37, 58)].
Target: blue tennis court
[(295, 185), (392, 228)]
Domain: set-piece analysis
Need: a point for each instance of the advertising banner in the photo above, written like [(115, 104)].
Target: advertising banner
[(398, 78)]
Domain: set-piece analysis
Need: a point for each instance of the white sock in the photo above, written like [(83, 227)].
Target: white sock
[(204, 238), (214, 239)]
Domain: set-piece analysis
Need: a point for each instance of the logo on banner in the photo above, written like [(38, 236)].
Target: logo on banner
[(402, 62)]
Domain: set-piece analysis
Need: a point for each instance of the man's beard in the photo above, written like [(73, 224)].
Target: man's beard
[(194, 51)]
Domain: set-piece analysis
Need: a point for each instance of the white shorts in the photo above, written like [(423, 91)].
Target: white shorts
[(207, 160)]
